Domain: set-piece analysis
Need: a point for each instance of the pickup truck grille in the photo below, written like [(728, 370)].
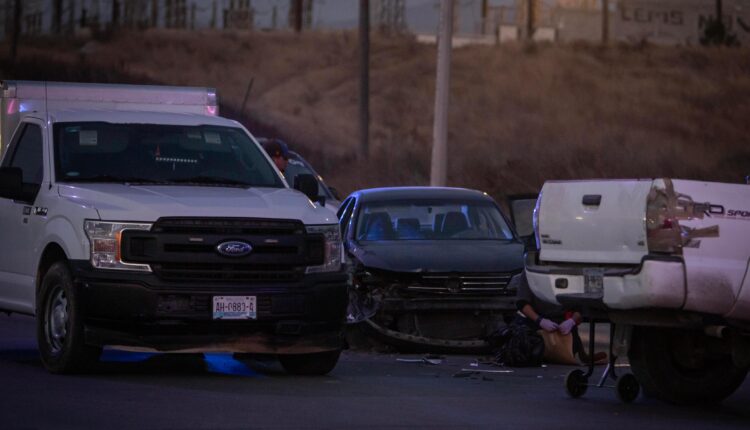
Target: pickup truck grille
[(462, 284), (185, 250)]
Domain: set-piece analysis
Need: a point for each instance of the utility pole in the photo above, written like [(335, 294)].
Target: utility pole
[(71, 17), (154, 13), (57, 13), (16, 30), (720, 13), (439, 170), (115, 14), (364, 78), (530, 20), (484, 17), (605, 22), (295, 10)]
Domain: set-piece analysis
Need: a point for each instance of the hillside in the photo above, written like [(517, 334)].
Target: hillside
[(519, 115)]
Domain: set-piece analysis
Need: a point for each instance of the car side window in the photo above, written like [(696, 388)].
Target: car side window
[(28, 155)]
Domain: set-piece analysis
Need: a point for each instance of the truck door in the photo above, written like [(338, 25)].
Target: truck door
[(18, 221)]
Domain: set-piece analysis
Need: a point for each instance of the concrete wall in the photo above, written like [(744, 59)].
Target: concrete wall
[(677, 21)]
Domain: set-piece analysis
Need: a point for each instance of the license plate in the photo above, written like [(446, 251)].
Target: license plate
[(593, 281), (234, 308)]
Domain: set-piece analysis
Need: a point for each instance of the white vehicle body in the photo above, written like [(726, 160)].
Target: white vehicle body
[(54, 222), (649, 253)]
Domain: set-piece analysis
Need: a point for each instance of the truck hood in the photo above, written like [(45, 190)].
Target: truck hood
[(147, 203), (440, 256)]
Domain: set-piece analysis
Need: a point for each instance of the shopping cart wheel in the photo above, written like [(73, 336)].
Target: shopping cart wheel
[(576, 383), (628, 388)]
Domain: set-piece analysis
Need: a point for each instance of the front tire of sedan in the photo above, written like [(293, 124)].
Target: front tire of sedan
[(60, 332), (318, 363)]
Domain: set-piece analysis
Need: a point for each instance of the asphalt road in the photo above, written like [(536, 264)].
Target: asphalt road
[(366, 391)]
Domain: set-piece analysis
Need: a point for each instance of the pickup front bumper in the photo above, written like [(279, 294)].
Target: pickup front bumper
[(141, 310), (657, 282)]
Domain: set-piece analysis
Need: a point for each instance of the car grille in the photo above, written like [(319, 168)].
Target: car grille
[(185, 250), (462, 284)]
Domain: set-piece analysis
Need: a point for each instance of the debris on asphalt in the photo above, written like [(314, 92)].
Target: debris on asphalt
[(465, 373), (431, 359)]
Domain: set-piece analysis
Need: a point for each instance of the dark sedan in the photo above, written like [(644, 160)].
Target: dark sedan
[(433, 268)]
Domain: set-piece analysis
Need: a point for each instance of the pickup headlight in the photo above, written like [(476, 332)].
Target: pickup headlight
[(104, 241), (334, 249)]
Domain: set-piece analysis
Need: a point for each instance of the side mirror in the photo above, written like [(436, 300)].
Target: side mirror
[(308, 185), (11, 183)]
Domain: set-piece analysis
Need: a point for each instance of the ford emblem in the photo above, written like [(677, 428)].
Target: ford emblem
[(234, 248)]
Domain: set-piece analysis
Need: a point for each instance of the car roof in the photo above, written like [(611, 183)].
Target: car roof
[(419, 193), (138, 117)]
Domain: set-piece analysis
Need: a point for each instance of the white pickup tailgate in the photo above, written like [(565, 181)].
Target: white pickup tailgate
[(595, 222)]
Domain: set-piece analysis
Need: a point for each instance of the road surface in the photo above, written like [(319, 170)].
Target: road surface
[(366, 391)]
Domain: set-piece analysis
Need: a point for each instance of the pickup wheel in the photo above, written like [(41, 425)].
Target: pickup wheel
[(60, 333), (318, 363), (679, 366)]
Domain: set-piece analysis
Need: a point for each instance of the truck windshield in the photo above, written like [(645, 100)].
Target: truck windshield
[(431, 220), (159, 154)]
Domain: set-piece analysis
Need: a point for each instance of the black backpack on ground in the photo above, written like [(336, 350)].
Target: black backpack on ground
[(521, 347)]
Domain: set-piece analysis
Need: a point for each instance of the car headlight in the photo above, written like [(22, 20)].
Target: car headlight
[(334, 249), (105, 244)]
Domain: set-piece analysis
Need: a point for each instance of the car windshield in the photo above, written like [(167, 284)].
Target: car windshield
[(297, 167), (431, 220), (160, 154)]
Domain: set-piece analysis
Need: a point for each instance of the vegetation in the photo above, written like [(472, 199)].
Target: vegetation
[(519, 115)]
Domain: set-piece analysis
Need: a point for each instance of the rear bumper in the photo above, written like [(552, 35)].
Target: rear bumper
[(658, 282), (139, 310)]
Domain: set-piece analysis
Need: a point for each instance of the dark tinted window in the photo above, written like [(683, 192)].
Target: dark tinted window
[(28, 155)]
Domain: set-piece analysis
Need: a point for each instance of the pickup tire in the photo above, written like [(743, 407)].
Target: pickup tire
[(679, 366), (60, 332), (318, 363)]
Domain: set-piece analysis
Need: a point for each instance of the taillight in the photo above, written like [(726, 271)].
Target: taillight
[(662, 227)]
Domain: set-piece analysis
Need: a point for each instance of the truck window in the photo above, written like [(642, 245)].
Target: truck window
[(159, 154), (28, 155)]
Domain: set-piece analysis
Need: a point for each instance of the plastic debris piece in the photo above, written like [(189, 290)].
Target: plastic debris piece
[(431, 361)]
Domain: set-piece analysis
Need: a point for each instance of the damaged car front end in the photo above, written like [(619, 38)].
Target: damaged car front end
[(433, 269)]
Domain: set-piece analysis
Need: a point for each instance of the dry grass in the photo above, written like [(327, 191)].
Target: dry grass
[(519, 115)]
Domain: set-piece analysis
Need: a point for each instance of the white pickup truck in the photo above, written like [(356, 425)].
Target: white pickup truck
[(666, 261), (134, 216)]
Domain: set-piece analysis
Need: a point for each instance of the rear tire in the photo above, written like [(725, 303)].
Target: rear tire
[(679, 367), (318, 363), (60, 332)]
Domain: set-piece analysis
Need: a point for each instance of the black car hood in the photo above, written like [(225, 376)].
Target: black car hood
[(440, 256)]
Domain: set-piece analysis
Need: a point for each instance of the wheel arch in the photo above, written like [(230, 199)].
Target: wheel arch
[(52, 253)]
